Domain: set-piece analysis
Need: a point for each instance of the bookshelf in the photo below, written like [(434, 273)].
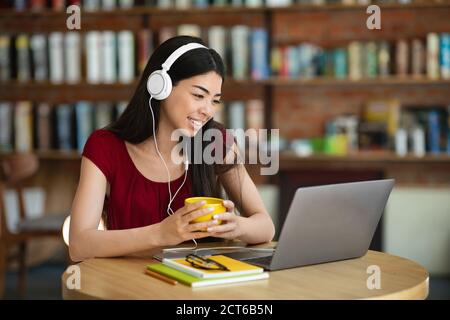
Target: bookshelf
[(298, 106)]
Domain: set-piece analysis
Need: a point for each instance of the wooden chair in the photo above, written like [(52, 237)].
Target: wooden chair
[(14, 170)]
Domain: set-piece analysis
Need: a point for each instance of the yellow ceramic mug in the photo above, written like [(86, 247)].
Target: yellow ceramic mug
[(215, 203)]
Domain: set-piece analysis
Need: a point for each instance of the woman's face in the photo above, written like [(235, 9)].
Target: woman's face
[(193, 102)]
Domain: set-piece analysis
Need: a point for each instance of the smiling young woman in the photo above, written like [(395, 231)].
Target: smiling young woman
[(125, 168)]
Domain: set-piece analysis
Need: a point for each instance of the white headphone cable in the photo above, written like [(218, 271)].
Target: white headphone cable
[(169, 209), (160, 155)]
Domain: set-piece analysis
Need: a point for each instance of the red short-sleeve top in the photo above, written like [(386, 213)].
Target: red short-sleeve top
[(134, 201)]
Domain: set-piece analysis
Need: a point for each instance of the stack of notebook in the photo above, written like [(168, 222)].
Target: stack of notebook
[(184, 272)]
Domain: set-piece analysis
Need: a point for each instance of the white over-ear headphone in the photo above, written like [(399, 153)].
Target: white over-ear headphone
[(159, 86)]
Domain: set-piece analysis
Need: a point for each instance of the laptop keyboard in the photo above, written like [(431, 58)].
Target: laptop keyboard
[(262, 260)]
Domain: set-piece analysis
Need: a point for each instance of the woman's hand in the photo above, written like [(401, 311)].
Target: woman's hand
[(176, 228), (231, 227)]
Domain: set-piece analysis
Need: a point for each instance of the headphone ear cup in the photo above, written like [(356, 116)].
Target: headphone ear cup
[(168, 86), (159, 85)]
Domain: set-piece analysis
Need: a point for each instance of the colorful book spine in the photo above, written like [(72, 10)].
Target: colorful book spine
[(433, 56), (445, 55), (293, 61), (340, 63), (448, 129), (371, 62), (433, 132), (259, 42)]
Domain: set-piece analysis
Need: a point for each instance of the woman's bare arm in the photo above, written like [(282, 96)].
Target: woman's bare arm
[(88, 242), (256, 223)]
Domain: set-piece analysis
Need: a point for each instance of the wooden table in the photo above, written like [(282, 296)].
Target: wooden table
[(124, 278)]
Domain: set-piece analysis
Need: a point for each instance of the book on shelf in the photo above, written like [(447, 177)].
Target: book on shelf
[(84, 123), (91, 5), (44, 126), (401, 57), (56, 57), (355, 60), (279, 3), (195, 282), (434, 126), (418, 57), (5, 60), (183, 4), (448, 130), (72, 61), (109, 5), (6, 126), (445, 55), (23, 126), (340, 63), (433, 56), (126, 56), (38, 43), (64, 128), (259, 42), (164, 4), (370, 62), (384, 58), (109, 56), (23, 58), (126, 4), (235, 267), (240, 51), (217, 40), (93, 57)]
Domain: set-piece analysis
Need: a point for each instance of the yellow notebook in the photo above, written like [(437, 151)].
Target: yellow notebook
[(236, 267)]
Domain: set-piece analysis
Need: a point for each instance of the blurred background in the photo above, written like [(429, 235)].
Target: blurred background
[(350, 103)]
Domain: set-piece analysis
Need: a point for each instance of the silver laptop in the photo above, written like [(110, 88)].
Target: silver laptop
[(327, 223)]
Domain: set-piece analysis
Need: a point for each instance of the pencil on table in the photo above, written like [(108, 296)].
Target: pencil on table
[(161, 277)]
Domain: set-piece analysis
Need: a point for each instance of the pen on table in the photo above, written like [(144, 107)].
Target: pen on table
[(161, 277)]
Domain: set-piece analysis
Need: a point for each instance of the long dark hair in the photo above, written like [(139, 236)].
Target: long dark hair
[(135, 123)]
